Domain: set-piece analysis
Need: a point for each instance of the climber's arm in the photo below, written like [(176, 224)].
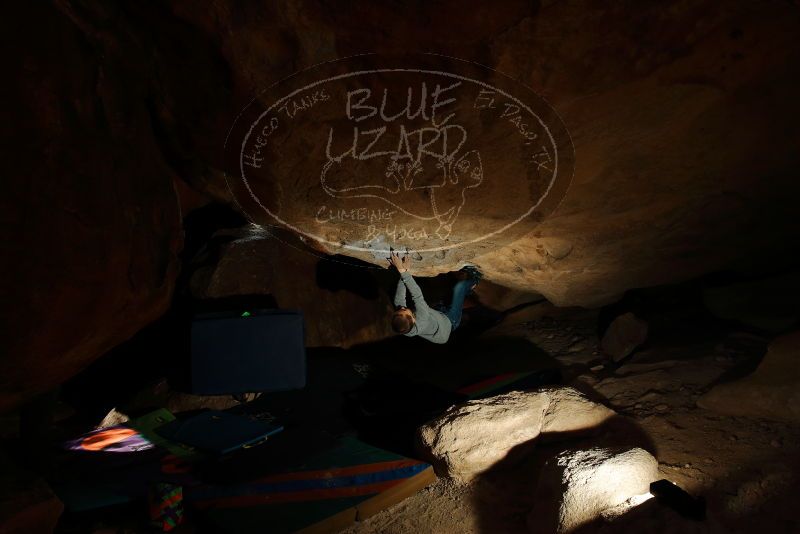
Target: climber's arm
[(402, 264), (416, 293), (400, 294)]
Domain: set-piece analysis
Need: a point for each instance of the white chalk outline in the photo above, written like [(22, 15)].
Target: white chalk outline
[(377, 71)]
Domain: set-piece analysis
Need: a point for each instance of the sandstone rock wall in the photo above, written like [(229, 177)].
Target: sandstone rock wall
[(90, 219), (682, 116)]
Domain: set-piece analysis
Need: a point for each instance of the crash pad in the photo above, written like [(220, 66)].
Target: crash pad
[(218, 432), (348, 482)]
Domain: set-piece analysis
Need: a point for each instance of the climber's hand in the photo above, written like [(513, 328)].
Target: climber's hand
[(401, 263)]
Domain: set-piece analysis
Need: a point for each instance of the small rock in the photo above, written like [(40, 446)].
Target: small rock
[(649, 396), (113, 418), (624, 335), (661, 407), (775, 443), (577, 486), (587, 379), (597, 368), (638, 368)]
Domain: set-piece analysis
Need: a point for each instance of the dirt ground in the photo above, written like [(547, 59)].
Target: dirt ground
[(747, 469)]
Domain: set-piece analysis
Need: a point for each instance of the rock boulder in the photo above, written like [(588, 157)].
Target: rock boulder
[(473, 437), (624, 335), (576, 486)]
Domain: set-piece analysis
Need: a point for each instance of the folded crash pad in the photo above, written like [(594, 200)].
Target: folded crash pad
[(218, 432), (242, 352)]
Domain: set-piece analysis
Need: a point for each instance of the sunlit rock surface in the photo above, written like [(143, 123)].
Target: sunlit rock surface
[(471, 438), (576, 486)]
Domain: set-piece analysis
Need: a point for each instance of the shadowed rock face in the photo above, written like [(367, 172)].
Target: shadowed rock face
[(683, 120), (770, 392), (90, 219)]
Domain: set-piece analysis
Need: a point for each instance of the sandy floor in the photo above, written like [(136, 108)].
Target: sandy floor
[(747, 469)]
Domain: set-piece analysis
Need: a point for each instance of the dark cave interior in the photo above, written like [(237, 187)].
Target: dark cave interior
[(593, 207)]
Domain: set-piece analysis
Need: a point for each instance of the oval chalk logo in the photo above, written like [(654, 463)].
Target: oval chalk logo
[(425, 152)]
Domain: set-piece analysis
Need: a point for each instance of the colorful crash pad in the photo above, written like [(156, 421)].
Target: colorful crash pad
[(349, 482)]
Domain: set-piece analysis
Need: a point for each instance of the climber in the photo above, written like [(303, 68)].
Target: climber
[(433, 325)]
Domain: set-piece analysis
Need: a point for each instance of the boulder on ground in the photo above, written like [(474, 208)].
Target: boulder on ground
[(577, 486), (624, 335), (473, 437), (772, 391)]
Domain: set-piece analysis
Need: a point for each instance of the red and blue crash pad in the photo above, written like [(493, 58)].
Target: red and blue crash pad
[(349, 482)]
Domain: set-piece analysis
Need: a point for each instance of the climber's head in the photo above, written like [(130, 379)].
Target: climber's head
[(402, 320)]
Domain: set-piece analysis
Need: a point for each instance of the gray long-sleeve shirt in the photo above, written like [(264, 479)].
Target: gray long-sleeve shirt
[(430, 324)]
